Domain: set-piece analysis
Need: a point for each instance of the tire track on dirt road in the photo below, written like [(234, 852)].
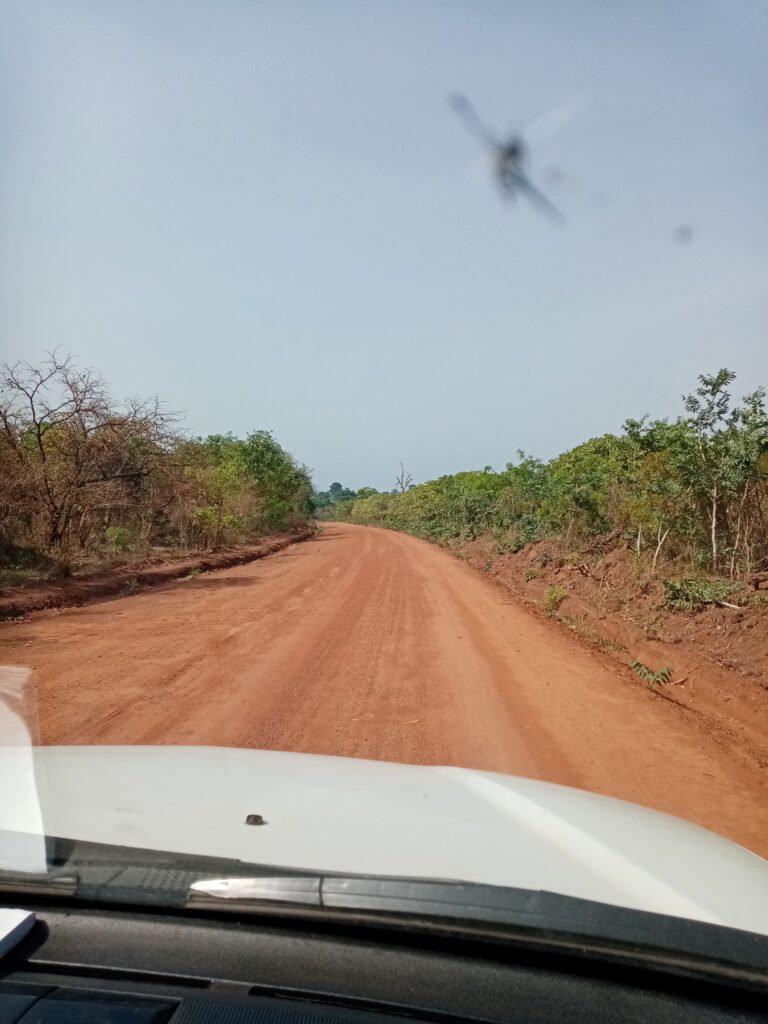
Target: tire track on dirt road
[(368, 643)]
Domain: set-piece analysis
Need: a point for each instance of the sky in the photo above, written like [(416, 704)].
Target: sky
[(266, 212)]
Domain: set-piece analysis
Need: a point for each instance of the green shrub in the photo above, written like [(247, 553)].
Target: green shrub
[(118, 537), (553, 598), (692, 593), (662, 677), (531, 574), (687, 492)]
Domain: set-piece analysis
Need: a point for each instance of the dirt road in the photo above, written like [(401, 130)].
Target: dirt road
[(366, 643)]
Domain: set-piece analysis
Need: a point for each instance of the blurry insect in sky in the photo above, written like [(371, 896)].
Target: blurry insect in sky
[(683, 233), (510, 157)]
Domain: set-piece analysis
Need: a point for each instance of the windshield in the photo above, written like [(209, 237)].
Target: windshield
[(384, 443)]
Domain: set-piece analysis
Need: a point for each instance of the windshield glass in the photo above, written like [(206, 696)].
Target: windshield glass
[(384, 445)]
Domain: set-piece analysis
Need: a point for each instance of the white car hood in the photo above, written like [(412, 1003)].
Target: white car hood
[(371, 817)]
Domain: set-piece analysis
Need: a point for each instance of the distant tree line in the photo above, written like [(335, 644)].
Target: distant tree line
[(81, 473), (324, 502), (694, 490)]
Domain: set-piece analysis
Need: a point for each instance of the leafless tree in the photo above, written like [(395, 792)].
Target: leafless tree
[(403, 480), (69, 449)]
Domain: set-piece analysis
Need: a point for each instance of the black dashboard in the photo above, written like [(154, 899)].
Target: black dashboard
[(96, 965)]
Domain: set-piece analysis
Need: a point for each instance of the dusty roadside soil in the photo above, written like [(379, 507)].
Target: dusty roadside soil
[(367, 643), (131, 577), (718, 656)]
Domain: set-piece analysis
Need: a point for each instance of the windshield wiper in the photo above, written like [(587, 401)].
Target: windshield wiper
[(512, 915), (51, 884), (250, 892), (112, 875)]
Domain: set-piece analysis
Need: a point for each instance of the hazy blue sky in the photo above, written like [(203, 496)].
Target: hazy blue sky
[(266, 213)]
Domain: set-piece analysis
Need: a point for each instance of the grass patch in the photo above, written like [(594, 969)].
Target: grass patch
[(553, 598), (19, 577)]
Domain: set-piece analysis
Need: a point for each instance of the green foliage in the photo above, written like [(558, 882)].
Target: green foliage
[(324, 502), (581, 493), (716, 470), (693, 491), (118, 537), (245, 488), (531, 574), (694, 592), (662, 677), (457, 506), (192, 574), (553, 598)]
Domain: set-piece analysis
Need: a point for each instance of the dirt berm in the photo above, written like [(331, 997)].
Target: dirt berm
[(126, 580)]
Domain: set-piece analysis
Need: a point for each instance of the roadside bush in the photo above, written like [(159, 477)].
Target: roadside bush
[(694, 593), (662, 677), (692, 492), (118, 537), (553, 598), (78, 469)]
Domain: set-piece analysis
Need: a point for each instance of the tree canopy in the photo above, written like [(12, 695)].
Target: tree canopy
[(696, 488)]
